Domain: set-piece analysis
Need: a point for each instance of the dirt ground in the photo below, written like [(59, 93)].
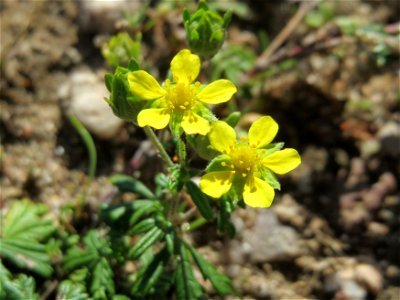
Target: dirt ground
[(333, 231)]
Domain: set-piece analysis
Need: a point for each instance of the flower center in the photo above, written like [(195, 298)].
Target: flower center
[(181, 96), (245, 158)]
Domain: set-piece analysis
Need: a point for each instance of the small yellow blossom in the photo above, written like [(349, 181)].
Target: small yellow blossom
[(182, 100), (244, 164)]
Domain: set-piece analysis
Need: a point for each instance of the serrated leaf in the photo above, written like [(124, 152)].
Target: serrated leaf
[(200, 199), (22, 287), (149, 239), (102, 279), (221, 283), (187, 287), (23, 234), (96, 246), (71, 290), (129, 184), (149, 274)]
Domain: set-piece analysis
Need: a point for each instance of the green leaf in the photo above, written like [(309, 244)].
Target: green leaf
[(200, 199), (21, 287), (102, 279), (221, 283), (143, 226), (149, 239), (127, 183), (71, 290), (149, 274), (24, 231), (187, 287)]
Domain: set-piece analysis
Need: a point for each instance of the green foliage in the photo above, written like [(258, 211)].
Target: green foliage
[(21, 287), (23, 235), (121, 49), (187, 287), (94, 257), (220, 282), (205, 30), (231, 62), (72, 290), (122, 102), (321, 15), (150, 273), (201, 200), (128, 184)]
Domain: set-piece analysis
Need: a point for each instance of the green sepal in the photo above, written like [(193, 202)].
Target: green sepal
[(124, 105), (133, 65), (201, 200), (175, 125), (108, 78), (216, 165), (233, 118), (270, 178), (201, 145), (271, 148)]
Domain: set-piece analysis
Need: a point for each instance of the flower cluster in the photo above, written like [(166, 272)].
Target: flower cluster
[(244, 167), (247, 163), (181, 101)]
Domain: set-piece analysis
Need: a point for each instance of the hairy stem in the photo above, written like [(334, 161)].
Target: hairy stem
[(160, 148)]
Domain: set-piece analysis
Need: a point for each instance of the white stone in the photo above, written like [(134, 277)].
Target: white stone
[(87, 92)]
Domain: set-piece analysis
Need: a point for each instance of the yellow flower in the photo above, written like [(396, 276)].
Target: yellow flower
[(246, 165), (181, 101)]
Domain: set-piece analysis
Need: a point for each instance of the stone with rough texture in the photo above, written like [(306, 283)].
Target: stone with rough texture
[(88, 105), (268, 240)]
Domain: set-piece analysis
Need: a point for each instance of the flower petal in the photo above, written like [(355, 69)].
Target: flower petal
[(144, 85), (216, 92), (185, 66), (215, 184), (192, 123), (258, 193), (282, 161), (263, 131), (157, 118), (222, 137)]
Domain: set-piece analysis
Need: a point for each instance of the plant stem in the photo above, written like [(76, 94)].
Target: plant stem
[(89, 143), (181, 152), (160, 148)]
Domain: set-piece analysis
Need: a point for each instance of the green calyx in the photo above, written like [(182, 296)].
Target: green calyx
[(205, 30), (123, 103)]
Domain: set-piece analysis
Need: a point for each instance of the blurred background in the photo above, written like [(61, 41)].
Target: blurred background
[(327, 71)]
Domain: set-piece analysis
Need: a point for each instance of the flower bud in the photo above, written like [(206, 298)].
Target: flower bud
[(205, 30), (124, 105)]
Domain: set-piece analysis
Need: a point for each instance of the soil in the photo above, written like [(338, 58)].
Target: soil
[(335, 225)]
